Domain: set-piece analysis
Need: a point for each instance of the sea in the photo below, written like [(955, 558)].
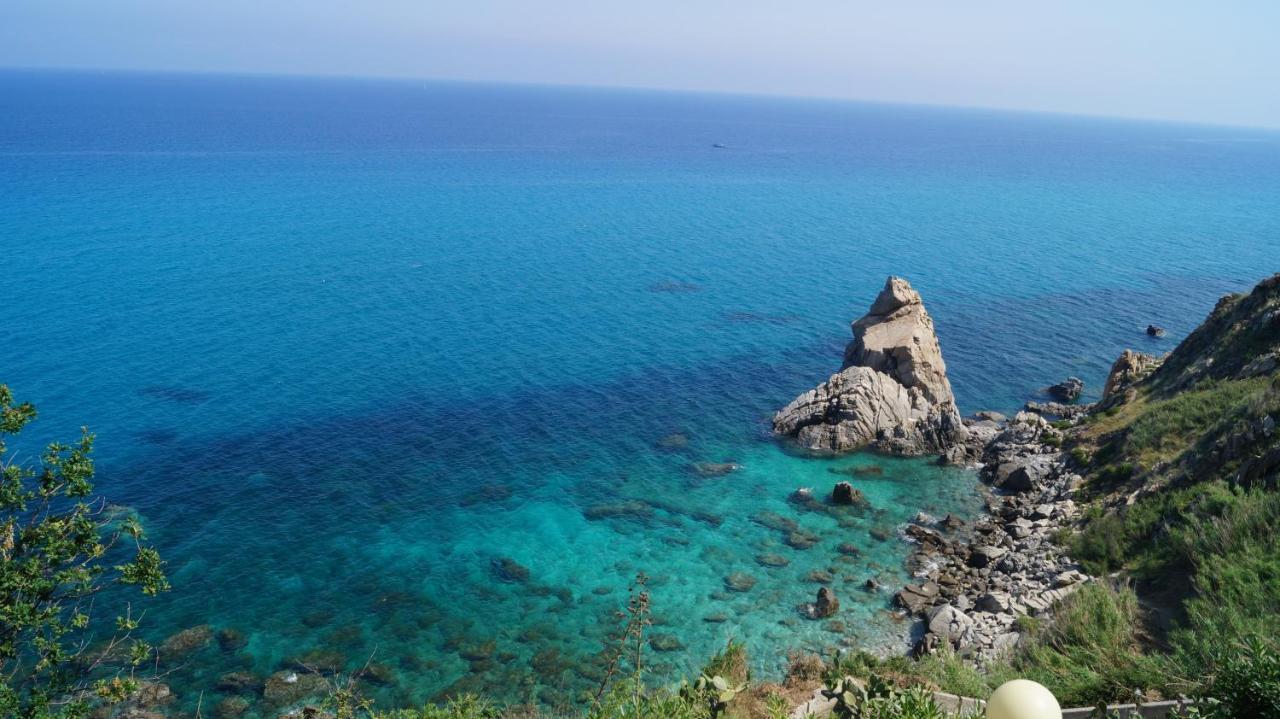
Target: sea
[(424, 375)]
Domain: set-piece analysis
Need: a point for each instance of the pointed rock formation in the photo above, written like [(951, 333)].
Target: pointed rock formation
[(892, 392)]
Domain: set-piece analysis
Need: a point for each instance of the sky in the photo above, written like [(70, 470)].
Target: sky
[(1215, 61)]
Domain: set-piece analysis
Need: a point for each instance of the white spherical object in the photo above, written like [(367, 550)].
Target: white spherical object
[(1023, 699)]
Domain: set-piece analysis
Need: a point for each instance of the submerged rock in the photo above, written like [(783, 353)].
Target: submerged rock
[(631, 509), (675, 440), (739, 582), (232, 640), (186, 642), (715, 469), (772, 560), (665, 643), (819, 576), (287, 687), (239, 683), (801, 539), (775, 521), (892, 392), (488, 494), (509, 570), (320, 661), (231, 707)]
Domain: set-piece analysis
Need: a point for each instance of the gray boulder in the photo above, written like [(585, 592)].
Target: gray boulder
[(951, 625), (892, 392)]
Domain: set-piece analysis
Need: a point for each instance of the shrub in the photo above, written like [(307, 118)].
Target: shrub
[(1246, 682), (730, 663), (59, 551)]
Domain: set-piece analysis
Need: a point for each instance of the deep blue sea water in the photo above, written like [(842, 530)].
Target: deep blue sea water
[(346, 343)]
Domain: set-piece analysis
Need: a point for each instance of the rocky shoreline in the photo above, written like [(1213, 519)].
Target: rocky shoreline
[(892, 395), (976, 581)]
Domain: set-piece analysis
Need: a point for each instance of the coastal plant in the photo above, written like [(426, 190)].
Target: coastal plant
[(876, 698), (1246, 682), (776, 706), (715, 691), (627, 643), (466, 706), (731, 663), (1094, 649), (60, 550)]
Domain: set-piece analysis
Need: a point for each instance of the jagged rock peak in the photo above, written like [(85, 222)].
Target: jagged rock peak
[(896, 337), (892, 391)]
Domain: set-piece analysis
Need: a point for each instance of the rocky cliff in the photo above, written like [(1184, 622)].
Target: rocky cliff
[(892, 392)]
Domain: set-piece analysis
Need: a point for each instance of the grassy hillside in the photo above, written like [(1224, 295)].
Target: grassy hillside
[(1180, 473)]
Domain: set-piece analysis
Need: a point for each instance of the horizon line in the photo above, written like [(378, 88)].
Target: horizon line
[(637, 88)]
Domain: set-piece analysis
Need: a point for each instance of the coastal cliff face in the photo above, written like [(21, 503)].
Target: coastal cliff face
[(892, 392)]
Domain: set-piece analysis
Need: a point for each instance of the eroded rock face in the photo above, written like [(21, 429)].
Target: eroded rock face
[(1128, 368), (892, 392)]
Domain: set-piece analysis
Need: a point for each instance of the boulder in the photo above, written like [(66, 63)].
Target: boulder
[(826, 604), (892, 391), (1155, 331), (916, 597), (995, 602), (986, 555), (1068, 390), (951, 625), (1058, 409), (845, 493), (1024, 474)]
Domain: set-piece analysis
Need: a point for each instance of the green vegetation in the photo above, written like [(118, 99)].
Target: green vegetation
[(1093, 650), (60, 550)]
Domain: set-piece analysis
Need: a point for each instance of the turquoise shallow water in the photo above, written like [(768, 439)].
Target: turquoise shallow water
[(346, 343)]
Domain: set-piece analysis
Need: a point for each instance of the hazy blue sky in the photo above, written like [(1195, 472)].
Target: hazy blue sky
[(1207, 60)]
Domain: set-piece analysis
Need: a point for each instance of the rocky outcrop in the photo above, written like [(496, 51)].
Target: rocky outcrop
[(1067, 390), (1058, 409), (892, 392), (1126, 371)]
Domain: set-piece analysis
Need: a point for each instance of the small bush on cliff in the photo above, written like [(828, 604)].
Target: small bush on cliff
[(58, 552), (1246, 682)]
